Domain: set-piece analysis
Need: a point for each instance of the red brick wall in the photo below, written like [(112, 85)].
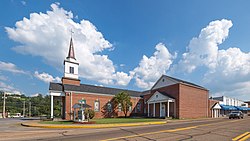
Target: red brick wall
[(172, 91), (193, 102), (70, 81), (91, 98), (145, 105)]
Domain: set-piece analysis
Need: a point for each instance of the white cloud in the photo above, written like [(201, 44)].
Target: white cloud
[(35, 95), (122, 78), (47, 35), (227, 72), (8, 88), (4, 78), (231, 76), (5, 66), (203, 50), (150, 69), (122, 65), (23, 3), (45, 77)]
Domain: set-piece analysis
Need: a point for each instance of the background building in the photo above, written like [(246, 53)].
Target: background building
[(229, 104)]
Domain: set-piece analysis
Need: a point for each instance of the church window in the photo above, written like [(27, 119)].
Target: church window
[(97, 106), (71, 70), (130, 108), (109, 107), (119, 107), (138, 107)]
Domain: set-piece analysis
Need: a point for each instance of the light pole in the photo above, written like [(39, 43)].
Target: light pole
[(29, 109), (4, 94), (24, 108)]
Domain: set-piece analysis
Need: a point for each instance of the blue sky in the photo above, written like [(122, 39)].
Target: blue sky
[(126, 44)]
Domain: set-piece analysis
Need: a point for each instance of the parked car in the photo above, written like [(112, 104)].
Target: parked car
[(236, 114)]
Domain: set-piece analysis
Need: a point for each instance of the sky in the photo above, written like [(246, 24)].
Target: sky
[(126, 44)]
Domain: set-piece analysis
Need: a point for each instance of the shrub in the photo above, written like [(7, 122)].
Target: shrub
[(90, 113)]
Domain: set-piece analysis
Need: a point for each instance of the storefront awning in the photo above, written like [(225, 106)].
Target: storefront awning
[(242, 108), (226, 107)]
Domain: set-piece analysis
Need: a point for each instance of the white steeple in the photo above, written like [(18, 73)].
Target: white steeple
[(70, 63)]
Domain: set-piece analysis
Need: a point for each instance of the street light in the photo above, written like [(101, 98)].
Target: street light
[(4, 97)]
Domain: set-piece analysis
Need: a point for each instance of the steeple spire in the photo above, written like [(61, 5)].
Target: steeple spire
[(71, 50)]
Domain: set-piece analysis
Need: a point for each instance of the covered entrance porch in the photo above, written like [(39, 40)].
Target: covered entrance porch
[(61, 95), (215, 110), (161, 105)]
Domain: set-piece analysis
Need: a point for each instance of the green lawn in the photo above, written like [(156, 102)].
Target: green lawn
[(122, 120), (56, 122), (106, 121)]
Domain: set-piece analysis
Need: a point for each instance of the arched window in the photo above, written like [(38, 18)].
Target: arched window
[(97, 106), (138, 107), (109, 107)]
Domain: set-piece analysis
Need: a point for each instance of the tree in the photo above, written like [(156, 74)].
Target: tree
[(123, 99), (89, 113)]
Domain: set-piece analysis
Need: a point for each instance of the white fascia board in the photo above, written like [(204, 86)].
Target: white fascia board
[(162, 101), (89, 93), (56, 93)]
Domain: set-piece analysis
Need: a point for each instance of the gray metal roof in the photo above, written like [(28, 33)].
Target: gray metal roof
[(55, 86), (91, 89), (179, 81), (185, 82)]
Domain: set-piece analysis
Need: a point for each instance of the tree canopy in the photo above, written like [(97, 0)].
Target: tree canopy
[(124, 101), (36, 106)]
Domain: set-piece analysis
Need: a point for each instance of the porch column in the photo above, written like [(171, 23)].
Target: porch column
[(160, 109), (148, 109), (212, 113), (168, 109), (154, 110), (51, 106)]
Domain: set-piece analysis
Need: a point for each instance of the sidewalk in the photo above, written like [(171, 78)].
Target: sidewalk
[(36, 124)]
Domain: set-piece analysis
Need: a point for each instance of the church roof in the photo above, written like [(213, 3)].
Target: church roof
[(176, 80), (91, 89), (186, 82), (71, 53), (56, 86)]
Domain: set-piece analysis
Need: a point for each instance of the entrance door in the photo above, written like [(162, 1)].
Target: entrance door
[(163, 110)]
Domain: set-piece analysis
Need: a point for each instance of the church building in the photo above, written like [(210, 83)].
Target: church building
[(169, 97)]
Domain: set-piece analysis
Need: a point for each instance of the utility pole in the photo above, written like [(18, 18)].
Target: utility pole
[(4, 94), (29, 109), (24, 108)]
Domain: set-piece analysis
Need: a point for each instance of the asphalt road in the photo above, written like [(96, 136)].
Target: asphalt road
[(200, 130)]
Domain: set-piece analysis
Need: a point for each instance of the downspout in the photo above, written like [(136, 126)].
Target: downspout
[(70, 105), (208, 108)]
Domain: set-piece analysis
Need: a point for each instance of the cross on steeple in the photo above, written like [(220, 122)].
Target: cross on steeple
[(71, 31)]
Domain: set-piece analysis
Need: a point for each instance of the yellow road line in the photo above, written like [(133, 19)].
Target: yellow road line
[(173, 130), (245, 138), (150, 133), (246, 134)]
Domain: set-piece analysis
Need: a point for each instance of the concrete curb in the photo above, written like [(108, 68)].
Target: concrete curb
[(33, 124)]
